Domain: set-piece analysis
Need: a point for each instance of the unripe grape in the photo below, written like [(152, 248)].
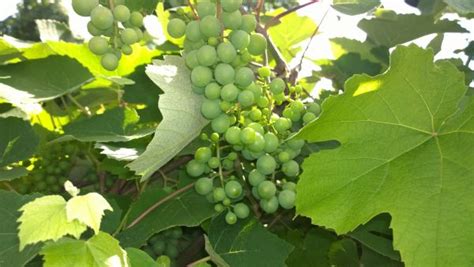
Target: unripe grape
[(210, 109), (206, 9), (224, 73), (308, 117), (286, 198), (233, 189), (212, 91), (244, 77), (266, 189), (255, 177), (277, 86), (284, 156), (240, 39), (193, 32), (264, 72), (213, 163), (121, 13), (257, 127), (232, 135), (246, 98), (282, 124), (291, 168), (195, 168), (297, 106), (207, 56), (102, 18), (191, 59), (257, 45), (84, 7), (201, 76), (127, 50), (270, 205), (229, 92), (176, 28), (230, 218), (232, 20), (136, 19), (231, 5), (262, 102), (266, 164), (176, 233), (93, 29), (197, 90), (98, 45), (247, 136), (220, 124), (203, 186), (258, 145), (255, 114), (295, 144), (219, 194), (171, 251), (289, 186), (314, 108), (159, 247), (210, 26), (110, 61), (249, 23), (219, 207), (226, 52), (225, 106), (128, 36), (203, 154), (241, 210)]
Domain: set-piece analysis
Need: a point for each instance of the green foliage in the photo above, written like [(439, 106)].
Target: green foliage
[(421, 167), (461, 6), (18, 141), (354, 7)]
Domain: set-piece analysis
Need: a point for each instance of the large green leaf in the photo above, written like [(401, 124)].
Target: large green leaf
[(182, 119), (8, 51), (461, 6), (115, 125), (406, 149), (18, 141), (313, 249), (47, 78), (246, 243), (354, 7), (10, 254), (381, 31), (188, 209), (101, 250)]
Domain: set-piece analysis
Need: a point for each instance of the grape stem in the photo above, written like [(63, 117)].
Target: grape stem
[(206, 259), (190, 4), (218, 154)]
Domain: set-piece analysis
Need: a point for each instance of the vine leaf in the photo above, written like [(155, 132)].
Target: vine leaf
[(101, 250), (354, 7), (182, 119), (18, 141), (88, 209), (461, 6), (413, 161), (139, 258), (45, 219), (246, 243)]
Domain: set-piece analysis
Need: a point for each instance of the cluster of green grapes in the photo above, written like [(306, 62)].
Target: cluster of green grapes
[(115, 29), (252, 116), (165, 243)]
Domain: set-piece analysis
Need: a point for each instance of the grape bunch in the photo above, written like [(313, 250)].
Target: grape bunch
[(166, 243), (115, 29), (253, 113)]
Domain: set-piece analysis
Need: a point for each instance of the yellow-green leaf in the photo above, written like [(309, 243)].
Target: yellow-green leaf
[(87, 209)]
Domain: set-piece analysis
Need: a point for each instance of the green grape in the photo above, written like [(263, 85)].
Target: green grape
[(264, 72), (226, 52), (269, 205), (256, 90), (229, 92), (213, 41), (230, 218), (203, 154), (277, 86), (224, 74), (159, 247), (51, 180), (218, 194), (240, 39), (262, 102), (247, 136), (110, 61), (139, 33), (232, 135), (284, 156), (297, 106), (291, 168), (203, 186), (210, 26), (255, 193), (266, 164), (102, 18), (219, 208), (84, 7), (121, 13), (197, 90), (205, 9), (191, 59), (210, 109), (193, 32), (244, 77), (213, 163), (195, 168), (289, 186), (207, 56), (295, 144), (136, 19), (232, 20), (258, 145), (231, 5), (246, 98), (255, 114), (257, 45), (249, 23), (255, 177), (93, 29), (225, 106), (215, 137), (314, 108), (127, 50), (212, 91), (228, 164), (282, 125), (237, 62), (98, 45), (308, 117), (286, 198), (176, 28), (220, 124), (241, 210), (233, 189), (171, 251), (128, 36), (201, 76), (271, 142), (232, 156), (257, 127)]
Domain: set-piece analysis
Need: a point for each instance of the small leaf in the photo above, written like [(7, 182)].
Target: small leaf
[(45, 219), (71, 189), (87, 209), (182, 119), (102, 250)]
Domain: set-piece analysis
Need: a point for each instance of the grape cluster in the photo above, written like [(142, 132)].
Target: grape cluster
[(115, 29), (252, 116), (166, 243)]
